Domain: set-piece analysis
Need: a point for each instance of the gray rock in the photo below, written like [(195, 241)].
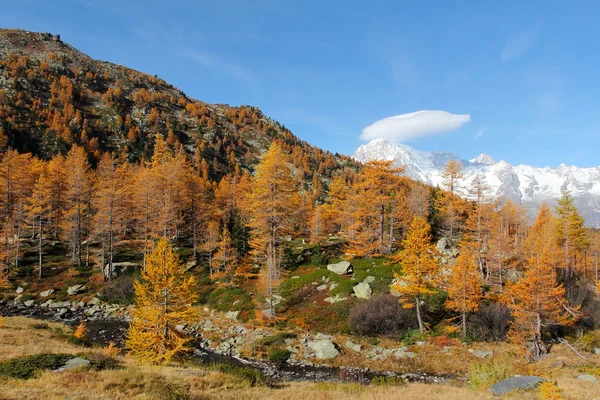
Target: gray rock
[(17, 299), (19, 290), (91, 311), (321, 288), (320, 336), (441, 245), (338, 297), (402, 353), (333, 286), (363, 290), (94, 302), (190, 264), (482, 353), (47, 293), (225, 348), (29, 303), (341, 268), (208, 326), (323, 349), (369, 279), (74, 363), (588, 378), (232, 314), (180, 327), (597, 350), (516, 383), (76, 289), (353, 346)]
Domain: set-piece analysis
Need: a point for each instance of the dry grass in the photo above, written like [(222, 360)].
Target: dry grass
[(18, 338)]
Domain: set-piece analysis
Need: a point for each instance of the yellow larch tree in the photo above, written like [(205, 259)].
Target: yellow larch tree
[(271, 209), (464, 289), (163, 300), (420, 272), (449, 204), (570, 234)]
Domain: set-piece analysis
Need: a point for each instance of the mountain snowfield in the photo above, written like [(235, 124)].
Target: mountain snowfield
[(524, 184)]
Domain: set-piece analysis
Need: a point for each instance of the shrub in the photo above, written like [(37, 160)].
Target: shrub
[(251, 375), (289, 262), (381, 315), (486, 374), (490, 323), (40, 325), (160, 390), (100, 361), (119, 291), (277, 339), (318, 258), (26, 367), (279, 355)]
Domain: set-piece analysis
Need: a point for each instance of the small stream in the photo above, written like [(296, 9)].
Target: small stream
[(101, 332)]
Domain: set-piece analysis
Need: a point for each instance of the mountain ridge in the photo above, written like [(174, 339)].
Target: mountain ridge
[(524, 184)]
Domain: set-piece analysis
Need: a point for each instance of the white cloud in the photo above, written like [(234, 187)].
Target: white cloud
[(414, 125), (479, 133), (518, 45)]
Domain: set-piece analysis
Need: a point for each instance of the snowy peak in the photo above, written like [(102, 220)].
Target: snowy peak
[(483, 158), (524, 184)]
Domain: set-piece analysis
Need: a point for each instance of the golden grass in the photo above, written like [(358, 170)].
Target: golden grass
[(132, 382)]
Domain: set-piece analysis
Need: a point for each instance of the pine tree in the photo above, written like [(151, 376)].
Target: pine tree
[(420, 272), (464, 291), (163, 299)]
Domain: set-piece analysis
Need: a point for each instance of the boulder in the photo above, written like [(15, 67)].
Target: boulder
[(76, 362), (119, 268), (363, 290), (341, 268), (232, 314), (353, 346), (323, 349), (597, 350), (190, 264), (588, 378), (321, 288), (19, 290), (76, 289), (94, 302), (47, 293), (29, 303), (516, 383), (441, 245)]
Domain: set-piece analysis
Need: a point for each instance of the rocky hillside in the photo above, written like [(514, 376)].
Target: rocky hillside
[(53, 95)]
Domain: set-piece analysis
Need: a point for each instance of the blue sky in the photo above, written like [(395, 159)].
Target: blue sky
[(526, 72)]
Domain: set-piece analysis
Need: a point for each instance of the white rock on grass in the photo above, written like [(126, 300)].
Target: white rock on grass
[(363, 290)]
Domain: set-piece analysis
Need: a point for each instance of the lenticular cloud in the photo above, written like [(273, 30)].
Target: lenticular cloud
[(414, 125)]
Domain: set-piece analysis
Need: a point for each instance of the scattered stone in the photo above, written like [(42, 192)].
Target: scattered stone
[(321, 288), (232, 314), (18, 299), (29, 303), (190, 264), (47, 293), (19, 290), (338, 297), (588, 378), (353, 346), (516, 383), (333, 286), (341, 268), (420, 343), (76, 362), (76, 289), (597, 350), (94, 302), (323, 349), (363, 290), (208, 326), (482, 353), (180, 327), (369, 279)]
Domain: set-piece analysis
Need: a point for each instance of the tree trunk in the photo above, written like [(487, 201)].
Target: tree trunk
[(418, 307), (464, 325), (40, 247)]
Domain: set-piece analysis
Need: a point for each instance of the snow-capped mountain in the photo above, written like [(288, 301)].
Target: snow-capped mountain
[(525, 185)]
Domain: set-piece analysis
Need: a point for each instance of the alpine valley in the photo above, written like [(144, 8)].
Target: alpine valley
[(524, 184)]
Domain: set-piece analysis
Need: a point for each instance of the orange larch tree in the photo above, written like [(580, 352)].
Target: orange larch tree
[(420, 272)]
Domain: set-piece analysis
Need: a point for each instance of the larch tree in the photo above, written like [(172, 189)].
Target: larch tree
[(163, 300), (225, 258), (537, 301), (75, 222), (449, 204), (420, 272), (570, 233), (271, 209), (464, 289), (39, 207)]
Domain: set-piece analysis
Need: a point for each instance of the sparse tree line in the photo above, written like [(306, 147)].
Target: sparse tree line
[(238, 227)]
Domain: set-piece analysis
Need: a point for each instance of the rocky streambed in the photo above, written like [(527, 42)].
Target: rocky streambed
[(108, 323)]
